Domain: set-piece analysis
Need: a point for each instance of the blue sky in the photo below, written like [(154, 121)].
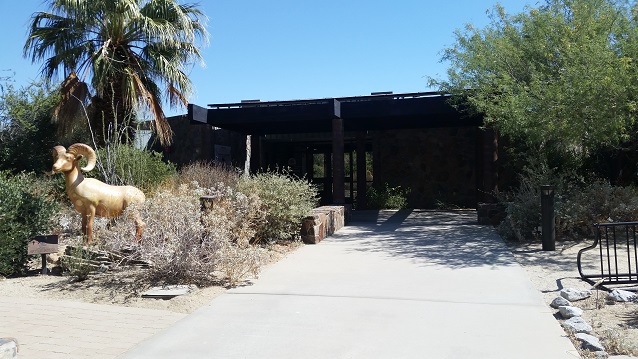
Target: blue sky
[(284, 49)]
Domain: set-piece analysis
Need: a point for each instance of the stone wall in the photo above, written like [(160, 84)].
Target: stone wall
[(324, 222), (439, 165)]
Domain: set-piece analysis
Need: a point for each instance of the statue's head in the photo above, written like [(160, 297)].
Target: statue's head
[(64, 160)]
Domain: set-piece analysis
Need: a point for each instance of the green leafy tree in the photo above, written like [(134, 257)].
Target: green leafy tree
[(560, 77), (26, 131), (117, 56)]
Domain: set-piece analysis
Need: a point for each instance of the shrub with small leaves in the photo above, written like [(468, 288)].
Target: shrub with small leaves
[(388, 197), (578, 205), (209, 174), (126, 165), (232, 221), (185, 245), (77, 262), (26, 210), (523, 204), (596, 202), (286, 200)]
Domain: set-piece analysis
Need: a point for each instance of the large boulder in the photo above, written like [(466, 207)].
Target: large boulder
[(569, 312), (559, 302), (590, 342), (575, 294), (577, 325), (620, 295)]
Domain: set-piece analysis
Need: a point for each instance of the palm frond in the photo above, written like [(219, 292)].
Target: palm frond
[(127, 49)]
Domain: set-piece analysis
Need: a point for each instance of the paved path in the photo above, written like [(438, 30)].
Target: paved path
[(407, 284), (57, 329)]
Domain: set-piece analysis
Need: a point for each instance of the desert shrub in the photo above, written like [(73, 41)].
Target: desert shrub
[(523, 204), (231, 222), (578, 204), (616, 344), (183, 245), (76, 264), (26, 209), (388, 197), (286, 199), (596, 202), (208, 174), (124, 164)]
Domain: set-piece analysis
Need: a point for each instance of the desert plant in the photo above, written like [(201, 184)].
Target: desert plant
[(523, 204), (121, 164), (208, 174), (595, 202), (388, 197), (182, 244), (286, 200), (615, 344), (578, 203), (231, 222), (26, 210), (77, 262)]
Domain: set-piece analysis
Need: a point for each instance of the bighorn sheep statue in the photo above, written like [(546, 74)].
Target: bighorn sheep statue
[(89, 196)]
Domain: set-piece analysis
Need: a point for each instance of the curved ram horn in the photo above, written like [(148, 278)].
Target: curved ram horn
[(58, 151), (82, 149)]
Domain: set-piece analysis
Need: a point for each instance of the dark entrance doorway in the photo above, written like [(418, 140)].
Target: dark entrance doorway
[(312, 158)]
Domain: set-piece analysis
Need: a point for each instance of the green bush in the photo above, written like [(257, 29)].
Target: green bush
[(388, 197), (124, 164), (286, 199), (26, 210)]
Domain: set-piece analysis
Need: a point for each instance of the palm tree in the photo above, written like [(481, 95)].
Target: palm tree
[(116, 56)]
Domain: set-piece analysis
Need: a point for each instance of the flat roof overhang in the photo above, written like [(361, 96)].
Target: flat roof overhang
[(363, 113)]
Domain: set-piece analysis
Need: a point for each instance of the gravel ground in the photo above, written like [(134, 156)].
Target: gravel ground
[(123, 286), (616, 324)]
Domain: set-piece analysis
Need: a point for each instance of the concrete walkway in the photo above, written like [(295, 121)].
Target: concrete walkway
[(407, 284)]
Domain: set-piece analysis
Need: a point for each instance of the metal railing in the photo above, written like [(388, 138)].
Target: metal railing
[(618, 257)]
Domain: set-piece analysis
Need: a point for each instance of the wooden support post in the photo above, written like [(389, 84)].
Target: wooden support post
[(361, 171), (338, 163)]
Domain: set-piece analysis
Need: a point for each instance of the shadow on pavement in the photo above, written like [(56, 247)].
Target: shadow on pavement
[(452, 239)]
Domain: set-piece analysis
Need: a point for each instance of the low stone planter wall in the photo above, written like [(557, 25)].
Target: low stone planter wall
[(325, 220)]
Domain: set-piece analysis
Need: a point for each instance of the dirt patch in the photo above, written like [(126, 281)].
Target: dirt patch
[(121, 286), (616, 324)]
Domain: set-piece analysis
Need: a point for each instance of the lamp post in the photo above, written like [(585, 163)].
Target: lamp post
[(548, 218)]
